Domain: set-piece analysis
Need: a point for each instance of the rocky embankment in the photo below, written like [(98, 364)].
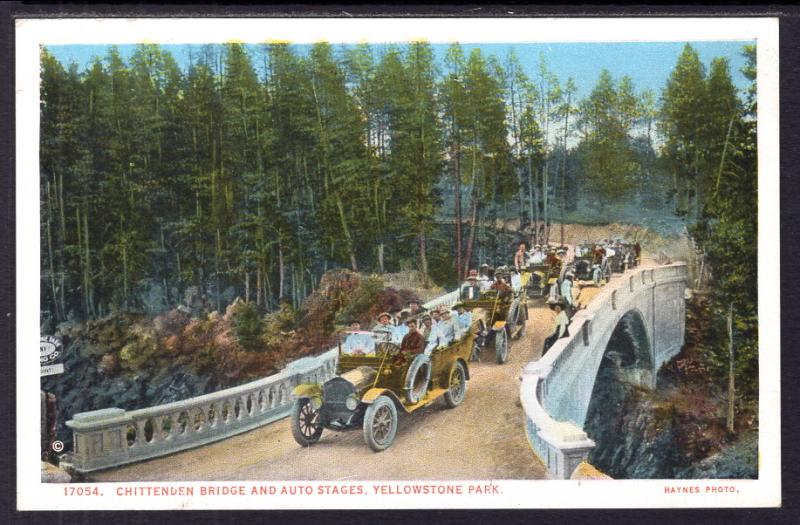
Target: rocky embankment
[(675, 432), (132, 361)]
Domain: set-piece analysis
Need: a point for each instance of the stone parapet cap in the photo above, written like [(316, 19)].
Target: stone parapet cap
[(99, 419)]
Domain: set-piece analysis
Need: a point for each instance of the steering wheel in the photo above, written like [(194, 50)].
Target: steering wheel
[(388, 348)]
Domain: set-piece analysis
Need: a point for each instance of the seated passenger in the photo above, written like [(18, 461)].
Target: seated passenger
[(537, 257), (446, 329), (464, 318), (415, 308), (413, 342), (427, 327), (357, 342), (503, 289), (383, 329), (400, 331), (471, 291)]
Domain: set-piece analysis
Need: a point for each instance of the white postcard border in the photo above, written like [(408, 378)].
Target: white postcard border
[(31, 33)]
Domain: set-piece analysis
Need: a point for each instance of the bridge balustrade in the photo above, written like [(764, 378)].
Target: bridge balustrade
[(555, 389), (112, 436)]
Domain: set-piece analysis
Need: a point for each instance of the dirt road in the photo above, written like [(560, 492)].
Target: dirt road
[(484, 438)]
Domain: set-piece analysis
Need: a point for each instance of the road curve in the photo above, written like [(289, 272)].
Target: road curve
[(484, 438)]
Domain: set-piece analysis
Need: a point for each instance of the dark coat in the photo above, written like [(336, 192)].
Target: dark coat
[(413, 343)]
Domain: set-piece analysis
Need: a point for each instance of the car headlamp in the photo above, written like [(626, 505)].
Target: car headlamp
[(316, 403), (351, 402)]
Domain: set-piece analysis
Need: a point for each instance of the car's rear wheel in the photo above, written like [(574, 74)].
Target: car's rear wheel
[(380, 424), (457, 386), (501, 346), (306, 423)]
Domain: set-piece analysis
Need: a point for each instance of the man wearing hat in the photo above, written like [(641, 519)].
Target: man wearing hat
[(503, 289), (384, 326), (566, 294), (471, 291), (560, 327), (521, 257), (415, 309)]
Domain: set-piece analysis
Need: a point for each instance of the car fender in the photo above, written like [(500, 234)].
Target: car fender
[(464, 364), (498, 325), (372, 394), (309, 390)]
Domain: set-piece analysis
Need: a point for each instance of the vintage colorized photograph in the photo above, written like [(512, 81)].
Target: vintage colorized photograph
[(438, 263)]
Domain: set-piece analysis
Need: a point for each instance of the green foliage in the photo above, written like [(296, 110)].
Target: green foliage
[(607, 118), (710, 131), (247, 324)]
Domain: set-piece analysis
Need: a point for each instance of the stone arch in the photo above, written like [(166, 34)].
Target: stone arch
[(625, 367), (570, 400), (629, 345)]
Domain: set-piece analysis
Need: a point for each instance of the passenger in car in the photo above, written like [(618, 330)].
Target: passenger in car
[(384, 326), (357, 342), (413, 342)]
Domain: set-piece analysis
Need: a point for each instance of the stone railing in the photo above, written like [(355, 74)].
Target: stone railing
[(113, 436), (448, 299), (550, 385)]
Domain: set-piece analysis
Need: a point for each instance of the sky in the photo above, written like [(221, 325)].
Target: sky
[(647, 63)]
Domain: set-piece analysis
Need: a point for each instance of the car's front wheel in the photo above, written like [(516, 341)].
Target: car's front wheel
[(380, 424), (501, 346), (306, 423)]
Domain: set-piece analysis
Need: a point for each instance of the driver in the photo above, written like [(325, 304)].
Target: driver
[(384, 326), (358, 342)]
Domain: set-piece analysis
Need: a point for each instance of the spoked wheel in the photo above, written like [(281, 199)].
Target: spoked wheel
[(458, 386), (523, 322), (306, 423), (380, 424), (515, 321), (501, 346)]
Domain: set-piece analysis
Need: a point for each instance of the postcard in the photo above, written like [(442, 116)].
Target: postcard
[(282, 263)]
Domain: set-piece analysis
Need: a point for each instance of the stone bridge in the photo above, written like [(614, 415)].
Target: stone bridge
[(647, 306), (488, 437)]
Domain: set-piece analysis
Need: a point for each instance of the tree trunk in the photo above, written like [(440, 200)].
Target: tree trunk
[(380, 257), (217, 257), (457, 194), (281, 270), (731, 376), (423, 257), (471, 238), (87, 267), (533, 194), (51, 264)]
